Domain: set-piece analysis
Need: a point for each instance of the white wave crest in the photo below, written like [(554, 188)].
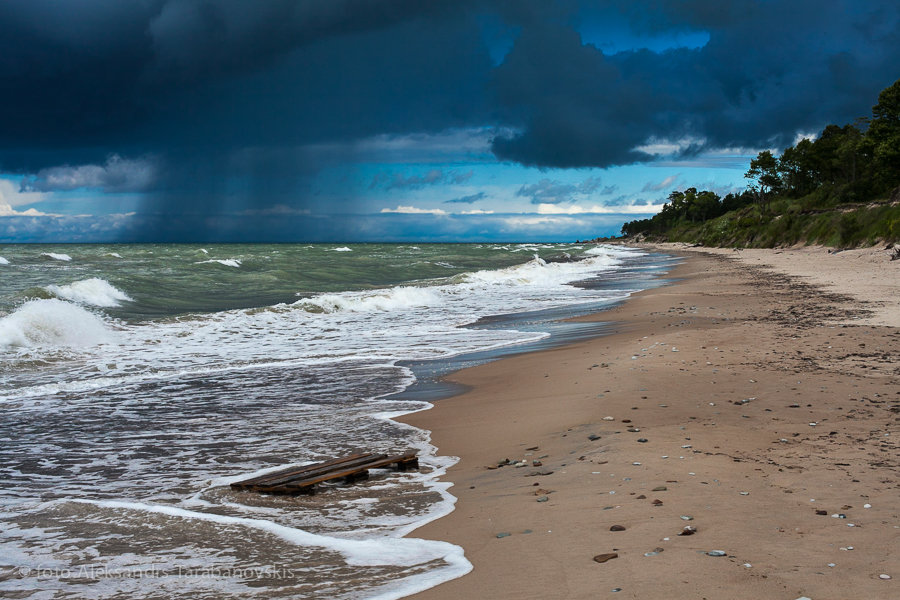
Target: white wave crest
[(96, 292), (398, 298), (40, 323), (342, 249), (55, 256), (3, 261), (228, 262)]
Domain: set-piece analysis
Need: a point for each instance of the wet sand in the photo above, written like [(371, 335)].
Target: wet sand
[(749, 405)]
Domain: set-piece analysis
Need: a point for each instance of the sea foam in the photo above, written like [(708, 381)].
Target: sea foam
[(96, 292), (39, 323), (397, 298), (3, 261), (55, 256), (228, 262)]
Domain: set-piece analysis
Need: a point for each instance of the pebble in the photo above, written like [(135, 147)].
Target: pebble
[(503, 534), (745, 493), (616, 590), (593, 437), (543, 499), (657, 502), (602, 558), (687, 446), (659, 488), (617, 528), (643, 440), (884, 576), (717, 553), (689, 530), (637, 464), (832, 565), (748, 565), (687, 518), (867, 506), (633, 430), (609, 418)]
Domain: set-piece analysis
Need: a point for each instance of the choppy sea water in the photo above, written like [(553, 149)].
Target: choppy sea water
[(138, 381)]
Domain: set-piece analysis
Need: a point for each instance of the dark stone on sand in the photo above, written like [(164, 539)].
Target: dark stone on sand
[(617, 528), (633, 430), (642, 497), (643, 440), (504, 534), (543, 499), (659, 488), (822, 512), (593, 437), (657, 502), (602, 558), (689, 530)]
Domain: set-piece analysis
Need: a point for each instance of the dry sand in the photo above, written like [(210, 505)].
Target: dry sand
[(733, 398)]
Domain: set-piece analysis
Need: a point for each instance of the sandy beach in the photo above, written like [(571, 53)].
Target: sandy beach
[(754, 400)]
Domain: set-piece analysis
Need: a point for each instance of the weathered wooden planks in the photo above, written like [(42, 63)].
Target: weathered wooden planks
[(302, 480)]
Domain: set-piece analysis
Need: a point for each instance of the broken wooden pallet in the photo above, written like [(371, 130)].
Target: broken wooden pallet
[(302, 480)]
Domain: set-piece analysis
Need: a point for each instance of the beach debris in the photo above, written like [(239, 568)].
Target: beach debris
[(593, 437), (659, 488), (543, 499), (717, 553), (617, 528), (602, 558), (688, 530), (503, 534)]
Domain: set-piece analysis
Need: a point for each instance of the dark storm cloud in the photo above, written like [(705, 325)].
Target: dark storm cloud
[(470, 199), (231, 97), (548, 191)]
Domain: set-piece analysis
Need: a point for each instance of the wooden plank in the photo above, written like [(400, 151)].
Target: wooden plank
[(306, 470), (351, 464), (297, 485)]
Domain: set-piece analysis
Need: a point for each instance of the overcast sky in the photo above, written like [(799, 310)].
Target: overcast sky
[(314, 120)]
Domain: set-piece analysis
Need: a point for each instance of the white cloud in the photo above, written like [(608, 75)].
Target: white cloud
[(477, 211), (116, 175), (662, 185), (555, 209), (412, 210)]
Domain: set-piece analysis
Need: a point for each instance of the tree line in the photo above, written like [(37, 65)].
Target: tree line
[(854, 163)]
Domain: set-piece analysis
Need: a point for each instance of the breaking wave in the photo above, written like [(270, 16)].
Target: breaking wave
[(397, 298), (40, 323), (96, 292)]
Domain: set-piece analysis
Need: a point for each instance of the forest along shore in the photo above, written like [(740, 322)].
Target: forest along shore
[(736, 437)]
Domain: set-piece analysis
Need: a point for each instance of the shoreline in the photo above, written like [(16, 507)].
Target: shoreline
[(712, 384)]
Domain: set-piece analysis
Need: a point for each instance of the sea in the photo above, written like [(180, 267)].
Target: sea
[(138, 381)]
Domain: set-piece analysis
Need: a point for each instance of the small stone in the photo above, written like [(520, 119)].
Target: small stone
[(867, 506), (637, 464), (689, 530), (609, 418), (503, 534), (633, 430), (602, 558), (821, 512), (643, 440), (536, 463), (543, 499), (717, 553), (657, 502), (593, 437), (641, 497), (617, 528), (832, 564), (748, 565), (745, 493), (884, 576), (616, 590), (659, 488), (687, 518)]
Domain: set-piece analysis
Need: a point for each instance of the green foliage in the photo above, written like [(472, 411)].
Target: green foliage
[(830, 191)]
